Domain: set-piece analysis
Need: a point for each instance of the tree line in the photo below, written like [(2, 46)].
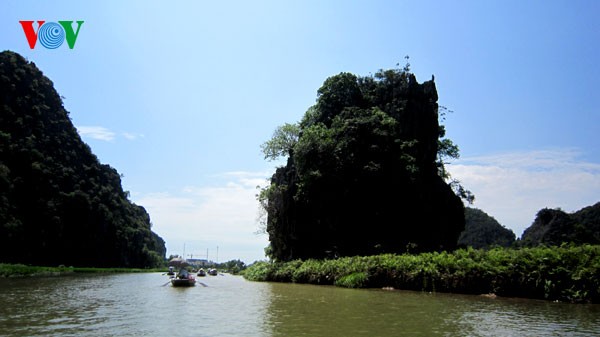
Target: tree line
[(551, 227)]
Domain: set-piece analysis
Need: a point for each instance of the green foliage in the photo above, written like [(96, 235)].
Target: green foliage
[(365, 153), (554, 227), (566, 273), (259, 271), (21, 270), (282, 143), (483, 231), (234, 267), (58, 203), (460, 190), (354, 280), (447, 150)]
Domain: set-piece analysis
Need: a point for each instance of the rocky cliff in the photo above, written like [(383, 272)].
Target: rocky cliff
[(363, 176), (58, 203)]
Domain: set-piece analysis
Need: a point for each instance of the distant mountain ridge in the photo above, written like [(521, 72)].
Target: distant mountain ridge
[(554, 227), (58, 203), (483, 231), (551, 227)]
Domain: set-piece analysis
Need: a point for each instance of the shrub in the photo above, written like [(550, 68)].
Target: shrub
[(567, 273)]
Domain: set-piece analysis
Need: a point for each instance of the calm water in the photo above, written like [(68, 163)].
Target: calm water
[(139, 305)]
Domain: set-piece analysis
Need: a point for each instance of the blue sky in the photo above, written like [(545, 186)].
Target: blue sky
[(178, 96)]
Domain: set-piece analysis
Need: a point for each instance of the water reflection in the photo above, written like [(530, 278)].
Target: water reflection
[(298, 310), (138, 305), (327, 311), (520, 317)]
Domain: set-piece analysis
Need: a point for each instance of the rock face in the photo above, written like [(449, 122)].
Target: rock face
[(483, 231), (58, 204), (363, 178), (554, 227)]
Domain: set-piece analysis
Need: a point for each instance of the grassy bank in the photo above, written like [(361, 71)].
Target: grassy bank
[(20, 270), (566, 273)]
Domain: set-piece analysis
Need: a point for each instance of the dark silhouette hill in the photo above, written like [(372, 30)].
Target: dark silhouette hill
[(554, 227), (483, 231), (58, 203), (362, 175)]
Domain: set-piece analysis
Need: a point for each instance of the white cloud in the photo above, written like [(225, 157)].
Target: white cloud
[(132, 136), (512, 187), (205, 217), (96, 132), (104, 134)]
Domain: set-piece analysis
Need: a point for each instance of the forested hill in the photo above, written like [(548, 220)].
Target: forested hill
[(483, 231), (58, 203), (554, 227), (364, 174)]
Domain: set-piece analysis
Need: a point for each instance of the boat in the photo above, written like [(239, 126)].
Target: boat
[(212, 271), (183, 279), (201, 272)]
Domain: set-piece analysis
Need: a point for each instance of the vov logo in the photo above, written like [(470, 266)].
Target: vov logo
[(51, 34)]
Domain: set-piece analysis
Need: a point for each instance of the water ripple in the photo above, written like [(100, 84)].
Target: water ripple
[(137, 305)]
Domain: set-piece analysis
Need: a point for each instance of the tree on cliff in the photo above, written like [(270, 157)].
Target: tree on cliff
[(483, 231), (58, 203), (362, 174), (554, 227)]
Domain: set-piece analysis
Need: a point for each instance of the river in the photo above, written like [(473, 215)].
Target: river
[(225, 305)]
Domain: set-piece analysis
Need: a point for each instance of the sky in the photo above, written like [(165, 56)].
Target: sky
[(178, 96)]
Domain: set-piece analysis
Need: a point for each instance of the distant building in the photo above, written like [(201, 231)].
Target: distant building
[(197, 263)]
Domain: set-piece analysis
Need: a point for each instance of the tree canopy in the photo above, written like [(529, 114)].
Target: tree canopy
[(554, 227), (363, 172), (58, 203), (483, 231)]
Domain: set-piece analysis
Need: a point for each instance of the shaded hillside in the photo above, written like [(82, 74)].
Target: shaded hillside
[(554, 227), (483, 231), (58, 204), (362, 175)]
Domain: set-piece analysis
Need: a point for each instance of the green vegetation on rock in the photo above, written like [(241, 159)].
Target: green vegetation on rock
[(554, 227), (58, 204), (483, 231), (364, 174)]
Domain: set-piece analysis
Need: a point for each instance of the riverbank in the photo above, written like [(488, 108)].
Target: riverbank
[(565, 273), (21, 270)]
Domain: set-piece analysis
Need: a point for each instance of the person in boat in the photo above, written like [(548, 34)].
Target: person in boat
[(183, 274)]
